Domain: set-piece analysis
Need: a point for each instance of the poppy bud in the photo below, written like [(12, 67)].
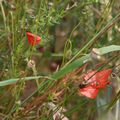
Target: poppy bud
[(53, 66), (41, 49), (31, 64)]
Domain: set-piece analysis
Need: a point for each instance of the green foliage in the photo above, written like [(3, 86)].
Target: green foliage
[(69, 30)]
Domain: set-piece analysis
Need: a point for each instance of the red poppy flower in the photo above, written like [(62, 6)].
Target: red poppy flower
[(94, 81), (33, 39)]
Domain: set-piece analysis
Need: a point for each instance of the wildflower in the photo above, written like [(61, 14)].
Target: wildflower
[(33, 39), (93, 82)]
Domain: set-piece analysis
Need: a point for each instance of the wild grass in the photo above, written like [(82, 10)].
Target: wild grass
[(69, 31)]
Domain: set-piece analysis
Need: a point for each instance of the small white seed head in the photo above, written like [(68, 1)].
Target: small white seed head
[(31, 64)]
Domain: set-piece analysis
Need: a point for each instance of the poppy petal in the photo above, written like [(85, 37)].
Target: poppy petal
[(102, 77), (33, 39), (94, 82), (90, 76), (98, 79), (89, 92)]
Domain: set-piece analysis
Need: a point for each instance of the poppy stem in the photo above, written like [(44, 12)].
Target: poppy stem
[(35, 73)]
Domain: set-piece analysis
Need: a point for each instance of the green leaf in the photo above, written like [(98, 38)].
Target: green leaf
[(74, 65), (108, 49)]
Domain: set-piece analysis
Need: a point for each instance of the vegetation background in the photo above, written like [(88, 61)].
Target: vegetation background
[(69, 30)]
